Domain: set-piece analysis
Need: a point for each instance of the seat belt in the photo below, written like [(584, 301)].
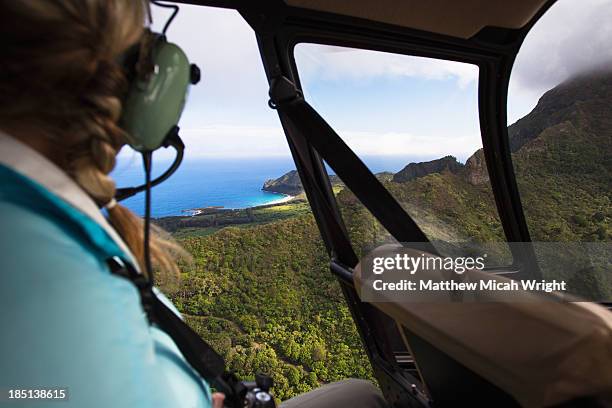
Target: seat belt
[(343, 250), (289, 101), (201, 356)]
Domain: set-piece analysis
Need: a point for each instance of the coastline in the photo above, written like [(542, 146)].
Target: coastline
[(192, 212), (286, 198)]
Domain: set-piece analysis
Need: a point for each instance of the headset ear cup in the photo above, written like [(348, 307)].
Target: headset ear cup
[(155, 101)]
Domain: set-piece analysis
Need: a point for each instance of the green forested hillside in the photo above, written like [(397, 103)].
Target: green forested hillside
[(264, 297), (574, 157), (260, 290)]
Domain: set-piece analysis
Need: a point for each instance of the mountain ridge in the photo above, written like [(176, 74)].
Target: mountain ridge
[(421, 169), (559, 102)]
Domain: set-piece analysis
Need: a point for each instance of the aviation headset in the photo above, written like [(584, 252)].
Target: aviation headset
[(159, 83), (159, 74)]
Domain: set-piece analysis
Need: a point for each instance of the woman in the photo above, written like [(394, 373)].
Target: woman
[(67, 322)]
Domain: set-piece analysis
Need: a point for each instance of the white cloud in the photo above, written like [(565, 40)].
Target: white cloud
[(253, 141), (570, 38), (406, 144), (333, 63), (228, 141), (227, 114), (236, 141), (233, 88)]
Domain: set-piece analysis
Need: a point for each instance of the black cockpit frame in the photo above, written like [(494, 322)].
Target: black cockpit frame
[(278, 28)]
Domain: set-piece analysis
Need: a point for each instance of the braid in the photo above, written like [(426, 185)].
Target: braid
[(91, 165), (94, 155)]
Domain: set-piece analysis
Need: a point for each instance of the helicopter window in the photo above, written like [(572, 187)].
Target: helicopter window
[(560, 133), (259, 288), (414, 122)]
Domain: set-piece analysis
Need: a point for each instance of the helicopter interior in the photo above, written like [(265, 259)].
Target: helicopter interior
[(475, 354)]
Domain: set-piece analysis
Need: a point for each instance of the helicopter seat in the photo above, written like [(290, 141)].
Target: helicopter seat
[(540, 351)]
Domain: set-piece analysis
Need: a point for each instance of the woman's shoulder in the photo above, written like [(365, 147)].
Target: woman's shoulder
[(35, 241), (48, 258), (66, 314), (49, 273), (71, 316), (79, 325)]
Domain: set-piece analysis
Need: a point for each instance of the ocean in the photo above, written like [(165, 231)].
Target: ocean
[(227, 182)]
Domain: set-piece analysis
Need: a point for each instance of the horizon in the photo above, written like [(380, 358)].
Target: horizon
[(134, 162)]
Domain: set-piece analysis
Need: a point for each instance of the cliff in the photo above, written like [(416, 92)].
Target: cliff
[(289, 183), (416, 170), (587, 93), (475, 170)]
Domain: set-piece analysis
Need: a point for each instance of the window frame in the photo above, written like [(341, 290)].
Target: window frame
[(493, 79), (506, 269), (278, 27)]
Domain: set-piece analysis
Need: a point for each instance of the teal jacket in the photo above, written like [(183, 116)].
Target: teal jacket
[(65, 321)]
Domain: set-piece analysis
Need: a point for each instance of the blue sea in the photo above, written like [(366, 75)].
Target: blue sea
[(223, 182)]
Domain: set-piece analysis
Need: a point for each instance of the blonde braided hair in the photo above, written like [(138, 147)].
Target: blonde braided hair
[(60, 79)]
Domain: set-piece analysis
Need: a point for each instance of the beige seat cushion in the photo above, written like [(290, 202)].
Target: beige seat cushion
[(541, 352)]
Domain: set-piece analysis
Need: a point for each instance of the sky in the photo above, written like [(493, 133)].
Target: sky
[(381, 104)]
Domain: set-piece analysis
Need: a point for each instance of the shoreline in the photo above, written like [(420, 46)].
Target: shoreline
[(214, 209), (286, 198)]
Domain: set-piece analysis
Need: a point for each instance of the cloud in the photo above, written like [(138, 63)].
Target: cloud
[(407, 144), (330, 63), (252, 141), (570, 38), (236, 141), (233, 86), (227, 114), (225, 141), (228, 141)]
